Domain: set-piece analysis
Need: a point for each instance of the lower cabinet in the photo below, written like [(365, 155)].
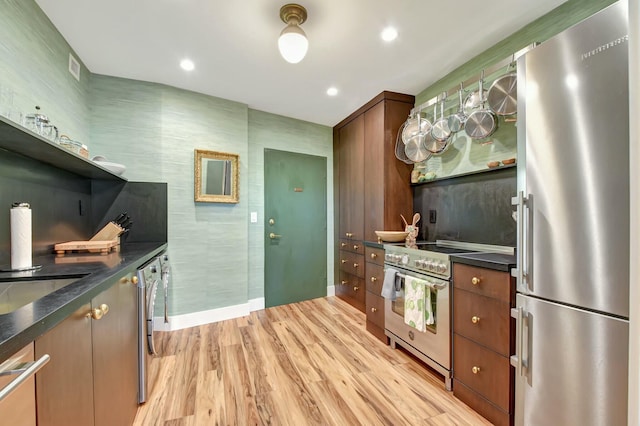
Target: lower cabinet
[(19, 407), (374, 302), (483, 339), (92, 376)]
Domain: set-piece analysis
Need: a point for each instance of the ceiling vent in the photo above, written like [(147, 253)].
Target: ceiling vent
[(74, 67)]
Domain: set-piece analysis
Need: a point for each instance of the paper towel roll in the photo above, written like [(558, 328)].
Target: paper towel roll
[(21, 236)]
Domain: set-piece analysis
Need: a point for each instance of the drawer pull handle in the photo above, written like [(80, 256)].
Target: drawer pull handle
[(343, 282), (475, 319), (475, 370), (355, 265), (374, 279), (374, 310), (356, 288), (475, 280), (356, 247), (373, 255), (343, 261), (343, 244)]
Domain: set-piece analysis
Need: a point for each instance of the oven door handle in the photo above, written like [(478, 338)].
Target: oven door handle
[(429, 284)]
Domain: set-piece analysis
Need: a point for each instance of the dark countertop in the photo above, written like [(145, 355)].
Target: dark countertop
[(25, 324), (496, 261), (374, 244)]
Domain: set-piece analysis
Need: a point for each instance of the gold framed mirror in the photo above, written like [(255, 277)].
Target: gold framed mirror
[(216, 177)]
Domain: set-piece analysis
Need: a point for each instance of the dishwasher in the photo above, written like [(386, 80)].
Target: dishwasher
[(153, 277)]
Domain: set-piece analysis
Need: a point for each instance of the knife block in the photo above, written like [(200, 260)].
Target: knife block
[(110, 232)]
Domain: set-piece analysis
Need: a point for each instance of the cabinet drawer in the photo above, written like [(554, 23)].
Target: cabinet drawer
[(483, 281), (352, 246), (374, 255), (19, 407), (492, 379), (351, 289), (482, 319), (481, 405), (374, 308), (352, 263), (374, 276)]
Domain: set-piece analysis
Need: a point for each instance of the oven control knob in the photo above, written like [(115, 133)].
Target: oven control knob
[(442, 268), (429, 265), (405, 259)]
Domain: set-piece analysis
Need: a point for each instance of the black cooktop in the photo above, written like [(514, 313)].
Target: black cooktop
[(430, 246)]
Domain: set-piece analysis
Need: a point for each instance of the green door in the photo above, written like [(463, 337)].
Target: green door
[(295, 252)]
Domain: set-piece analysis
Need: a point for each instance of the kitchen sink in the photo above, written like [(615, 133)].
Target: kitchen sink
[(16, 294)]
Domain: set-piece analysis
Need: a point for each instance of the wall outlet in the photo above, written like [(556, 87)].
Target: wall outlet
[(432, 216), (254, 217)]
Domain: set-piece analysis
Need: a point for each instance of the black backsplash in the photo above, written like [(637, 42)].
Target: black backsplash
[(68, 207), (474, 208)]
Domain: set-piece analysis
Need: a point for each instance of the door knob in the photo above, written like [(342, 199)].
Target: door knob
[(356, 288), (343, 245), (274, 236), (374, 310), (475, 280), (374, 279), (356, 247), (343, 282), (475, 319), (373, 255), (355, 265), (475, 370), (272, 222)]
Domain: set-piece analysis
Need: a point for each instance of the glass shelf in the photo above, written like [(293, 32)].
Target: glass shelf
[(20, 140)]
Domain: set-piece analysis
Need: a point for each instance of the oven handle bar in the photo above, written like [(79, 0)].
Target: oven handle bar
[(429, 284)]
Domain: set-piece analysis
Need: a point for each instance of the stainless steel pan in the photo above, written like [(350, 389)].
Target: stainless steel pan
[(416, 125), (482, 122), (456, 121), (440, 130), (415, 149), (432, 144), (502, 96)]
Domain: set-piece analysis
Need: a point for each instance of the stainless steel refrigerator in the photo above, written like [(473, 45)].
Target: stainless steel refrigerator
[(572, 306)]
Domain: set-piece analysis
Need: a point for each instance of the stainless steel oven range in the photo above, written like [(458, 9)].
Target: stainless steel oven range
[(428, 262)]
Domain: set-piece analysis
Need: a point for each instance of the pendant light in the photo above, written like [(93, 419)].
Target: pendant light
[(293, 43)]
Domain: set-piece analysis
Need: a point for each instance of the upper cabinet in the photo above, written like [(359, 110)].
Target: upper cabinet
[(20, 140)]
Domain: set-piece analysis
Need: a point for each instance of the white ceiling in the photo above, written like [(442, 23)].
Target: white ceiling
[(234, 46)]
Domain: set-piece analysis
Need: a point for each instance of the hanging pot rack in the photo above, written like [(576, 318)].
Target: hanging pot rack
[(473, 81)]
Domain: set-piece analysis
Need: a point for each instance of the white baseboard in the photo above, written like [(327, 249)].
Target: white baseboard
[(194, 319), (256, 304)]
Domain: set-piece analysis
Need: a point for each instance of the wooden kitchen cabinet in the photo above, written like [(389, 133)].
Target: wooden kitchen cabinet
[(19, 408), (483, 340), (374, 302), (372, 187), (92, 376)]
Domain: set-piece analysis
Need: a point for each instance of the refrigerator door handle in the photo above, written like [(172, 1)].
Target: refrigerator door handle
[(517, 359), (520, 271)]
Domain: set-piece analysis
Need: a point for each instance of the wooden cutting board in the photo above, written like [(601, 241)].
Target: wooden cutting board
[(103, 247)]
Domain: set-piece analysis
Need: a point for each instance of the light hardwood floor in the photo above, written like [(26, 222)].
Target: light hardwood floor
[(309, 363)]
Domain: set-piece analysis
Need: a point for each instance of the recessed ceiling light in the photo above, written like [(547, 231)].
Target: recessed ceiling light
[(332, 91), (187, 65), (389, 34)]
